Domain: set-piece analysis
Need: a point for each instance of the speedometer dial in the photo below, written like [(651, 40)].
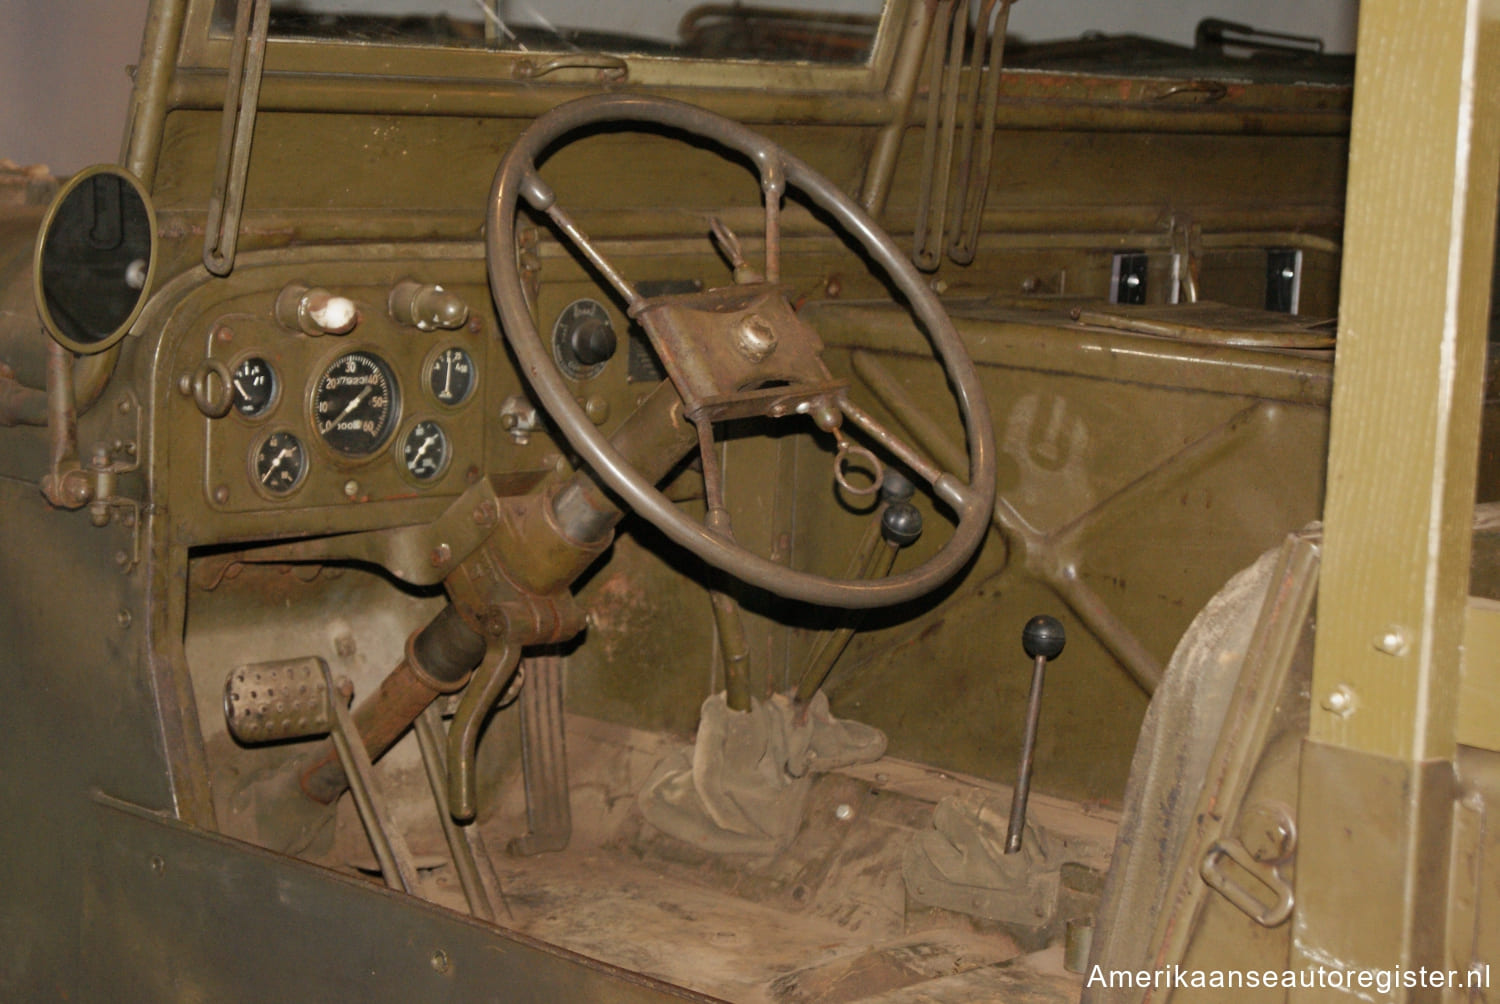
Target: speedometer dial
[(356, 404)]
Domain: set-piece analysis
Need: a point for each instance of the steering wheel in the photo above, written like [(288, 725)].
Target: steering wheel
[(739, 351)]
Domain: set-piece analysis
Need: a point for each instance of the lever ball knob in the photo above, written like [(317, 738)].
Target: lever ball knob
[(1043, 637), (901, 524), (896, 487)]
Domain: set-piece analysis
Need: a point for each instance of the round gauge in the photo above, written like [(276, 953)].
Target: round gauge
[(254, 387), (425, 451), (279, 463), (356, 404), (451, 376)]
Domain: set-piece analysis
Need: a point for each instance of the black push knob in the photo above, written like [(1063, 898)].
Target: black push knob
[(896, 487), (901, 524), (1043, 637), (592, 343)]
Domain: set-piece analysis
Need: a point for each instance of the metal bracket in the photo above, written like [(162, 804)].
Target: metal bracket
[(1264, 914)]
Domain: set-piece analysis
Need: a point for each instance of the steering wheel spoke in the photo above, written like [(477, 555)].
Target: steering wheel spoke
[(539, 196), (741, 351)]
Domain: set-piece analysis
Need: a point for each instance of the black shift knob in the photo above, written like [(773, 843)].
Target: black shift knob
[(1043, 637), (896, 487), (901, 524)]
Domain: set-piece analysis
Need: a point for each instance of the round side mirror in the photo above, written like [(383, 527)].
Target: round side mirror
[(95, 258)]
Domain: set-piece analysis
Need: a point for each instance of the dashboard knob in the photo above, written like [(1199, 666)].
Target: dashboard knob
[(592, 342), (315, 311), (427, 306)]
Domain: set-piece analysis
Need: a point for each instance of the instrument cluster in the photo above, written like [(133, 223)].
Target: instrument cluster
[(328, 398)]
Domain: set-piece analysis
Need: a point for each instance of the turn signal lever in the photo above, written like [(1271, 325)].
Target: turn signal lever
[(1043, 639)]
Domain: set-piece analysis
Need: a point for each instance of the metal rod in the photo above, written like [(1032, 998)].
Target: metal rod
[(428, 727), (148, 102), (581, 241), (877, 564), (395, 859), (773, 184), (1028, 755), (237, 132), (733, 645), (463, 735), (970, 211), (919, 465), (931, 186), (877, 184)]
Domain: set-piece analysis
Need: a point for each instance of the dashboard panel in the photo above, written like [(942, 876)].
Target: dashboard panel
[(384, 411), (300, 431)]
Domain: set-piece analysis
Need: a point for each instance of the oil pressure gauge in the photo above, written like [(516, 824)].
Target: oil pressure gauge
[(425, 453), (450, 376), (279, 463), (254, 387), (356, 404)]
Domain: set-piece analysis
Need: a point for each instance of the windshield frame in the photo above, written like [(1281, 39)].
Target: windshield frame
[(203, 49)]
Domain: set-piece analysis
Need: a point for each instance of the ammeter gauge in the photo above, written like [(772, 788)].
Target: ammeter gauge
[(356, 404)]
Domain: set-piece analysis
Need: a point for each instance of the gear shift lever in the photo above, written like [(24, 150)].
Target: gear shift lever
[(1043, 639)]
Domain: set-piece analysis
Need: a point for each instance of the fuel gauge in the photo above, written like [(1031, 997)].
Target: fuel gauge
[(425, 452), (279, 464), (254, 387)]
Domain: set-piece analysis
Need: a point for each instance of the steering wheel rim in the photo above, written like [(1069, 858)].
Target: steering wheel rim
[(973, 503)]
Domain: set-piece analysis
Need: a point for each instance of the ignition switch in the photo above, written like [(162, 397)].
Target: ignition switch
[(583, 340)]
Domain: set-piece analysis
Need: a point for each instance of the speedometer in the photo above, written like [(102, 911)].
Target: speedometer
[(356, 404)]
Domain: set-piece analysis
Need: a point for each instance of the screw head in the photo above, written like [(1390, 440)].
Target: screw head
[(1393, 641), (1340, 700), (755, 338), (1043, 637), (1268, 832)]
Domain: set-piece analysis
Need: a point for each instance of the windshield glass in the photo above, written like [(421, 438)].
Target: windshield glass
[(840, 32)]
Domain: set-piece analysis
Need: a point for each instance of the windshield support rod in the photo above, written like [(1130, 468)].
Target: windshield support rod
[(241, 96)]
